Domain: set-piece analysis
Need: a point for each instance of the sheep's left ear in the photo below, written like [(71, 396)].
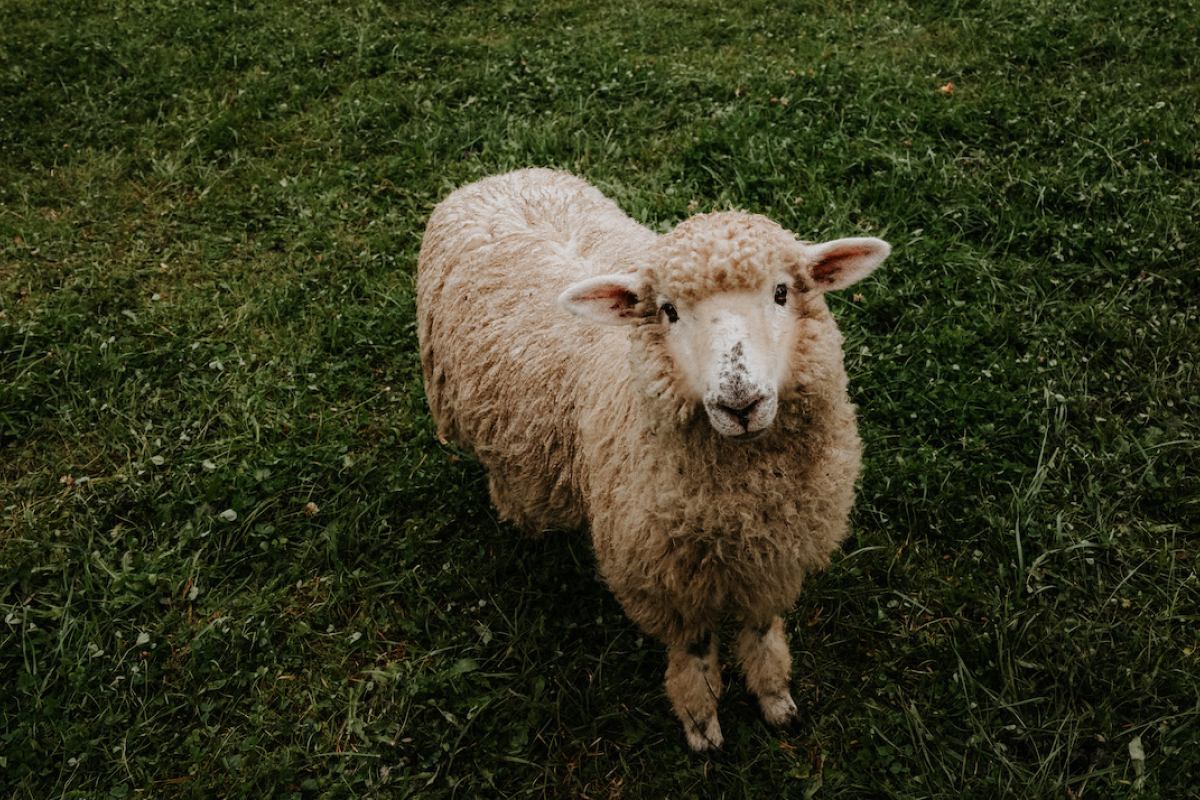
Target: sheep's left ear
[(842, 262), (608, 299)]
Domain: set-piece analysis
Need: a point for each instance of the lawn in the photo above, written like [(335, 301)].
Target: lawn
[(235, 560)]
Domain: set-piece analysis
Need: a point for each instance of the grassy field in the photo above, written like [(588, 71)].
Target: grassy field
[(236, 562)]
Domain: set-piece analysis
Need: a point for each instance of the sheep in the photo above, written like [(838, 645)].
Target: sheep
[(682, 397)]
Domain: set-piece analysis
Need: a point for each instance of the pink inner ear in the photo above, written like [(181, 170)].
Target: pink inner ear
[(829, 268), (618, 299)]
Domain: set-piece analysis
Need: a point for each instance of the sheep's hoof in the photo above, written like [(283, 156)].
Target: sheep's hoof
[(780, 710), (705, 736)]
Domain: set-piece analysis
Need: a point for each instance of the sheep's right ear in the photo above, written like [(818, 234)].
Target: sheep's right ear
[(607, 299)]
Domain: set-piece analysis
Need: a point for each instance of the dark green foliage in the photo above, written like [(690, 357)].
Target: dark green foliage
[(235, 561)]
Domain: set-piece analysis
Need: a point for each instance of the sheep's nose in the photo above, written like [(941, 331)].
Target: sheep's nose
[(742, 415)]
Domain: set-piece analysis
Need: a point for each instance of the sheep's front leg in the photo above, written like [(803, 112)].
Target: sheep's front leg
[(693, 685), (767, 663)]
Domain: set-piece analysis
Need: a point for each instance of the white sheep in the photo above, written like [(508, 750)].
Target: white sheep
[(709, 446)]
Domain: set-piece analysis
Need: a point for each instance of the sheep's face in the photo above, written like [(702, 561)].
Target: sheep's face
[(732, 303), (730, 351)]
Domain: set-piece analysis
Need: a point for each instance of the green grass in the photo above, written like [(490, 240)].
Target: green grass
[(236, 562)]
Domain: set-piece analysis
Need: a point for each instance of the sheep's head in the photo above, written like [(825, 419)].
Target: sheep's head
[(730, 313)]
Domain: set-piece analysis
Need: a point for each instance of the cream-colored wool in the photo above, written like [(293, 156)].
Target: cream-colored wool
[(709, 489)]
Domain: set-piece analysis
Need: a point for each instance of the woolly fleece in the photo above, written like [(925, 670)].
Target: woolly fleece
[(591, 427)]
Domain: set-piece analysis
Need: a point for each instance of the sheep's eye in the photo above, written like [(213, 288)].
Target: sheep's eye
[(669, 310), (781, 294)]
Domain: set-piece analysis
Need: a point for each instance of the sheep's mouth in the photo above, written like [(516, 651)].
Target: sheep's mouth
[(741, 421)]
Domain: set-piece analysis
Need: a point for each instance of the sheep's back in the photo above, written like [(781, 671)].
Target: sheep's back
[(503, 364)]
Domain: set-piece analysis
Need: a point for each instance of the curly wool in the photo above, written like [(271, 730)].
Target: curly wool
[(721, 251)]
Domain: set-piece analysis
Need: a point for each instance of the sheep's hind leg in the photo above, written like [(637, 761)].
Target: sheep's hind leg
[(694, 685), (767, 664)]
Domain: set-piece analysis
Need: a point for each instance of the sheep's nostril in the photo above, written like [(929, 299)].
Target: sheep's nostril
[(742, 415)]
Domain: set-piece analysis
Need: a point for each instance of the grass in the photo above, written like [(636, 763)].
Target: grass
[(236, 562)]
